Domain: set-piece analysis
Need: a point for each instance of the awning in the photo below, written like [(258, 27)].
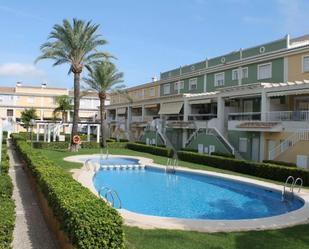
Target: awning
[(151, 106), (200, 101), (285, 93), (121, 110), (170, 108)]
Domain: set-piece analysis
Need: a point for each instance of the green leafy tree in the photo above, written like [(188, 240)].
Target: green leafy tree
[(64, 105), (104, 78), (74, 44), (27, 116)]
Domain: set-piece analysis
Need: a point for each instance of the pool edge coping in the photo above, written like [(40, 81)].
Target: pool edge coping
[(296, 217)]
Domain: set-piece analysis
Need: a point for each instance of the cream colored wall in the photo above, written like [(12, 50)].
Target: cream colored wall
[(295, 68), (3, 112), (23, 101), (276, 136), (300, 148), (37, 90)]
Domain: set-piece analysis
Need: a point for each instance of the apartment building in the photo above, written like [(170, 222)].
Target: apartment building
[(253, 102), (13, 100)]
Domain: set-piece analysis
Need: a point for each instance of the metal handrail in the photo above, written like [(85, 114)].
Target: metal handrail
[(285, 185), (110, 192), (86, 163), (300, 186)]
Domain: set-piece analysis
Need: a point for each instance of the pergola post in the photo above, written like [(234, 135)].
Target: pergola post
[(48, 133), (88, 132), (45, 132), (37, 132), (98, 133)]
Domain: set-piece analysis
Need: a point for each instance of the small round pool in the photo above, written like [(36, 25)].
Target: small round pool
[(151, 191), (115, 161)]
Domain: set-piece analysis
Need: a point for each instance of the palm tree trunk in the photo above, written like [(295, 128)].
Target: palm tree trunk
[(63, 121), (75, 147), (103, 139)]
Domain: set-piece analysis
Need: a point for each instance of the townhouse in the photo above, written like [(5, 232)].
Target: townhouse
[(253, 103), (13, 100)]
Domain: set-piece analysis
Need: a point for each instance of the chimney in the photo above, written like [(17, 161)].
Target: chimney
[(44, 85), (18, 83), (154, 78)]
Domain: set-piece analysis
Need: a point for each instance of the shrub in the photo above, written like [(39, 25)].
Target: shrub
[(222, 154), (281, 163), (7, 206), (51, 145), (87, 221), (150, 149), (263, 170), (90, 145)]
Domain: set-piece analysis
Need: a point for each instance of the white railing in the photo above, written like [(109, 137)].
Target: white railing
[(246, 116), (137, 119), (223, 140), (197, 117), (288, 116), (288, 143)]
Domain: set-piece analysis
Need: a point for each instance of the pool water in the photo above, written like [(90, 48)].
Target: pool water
[(186, 195), (116, 161)]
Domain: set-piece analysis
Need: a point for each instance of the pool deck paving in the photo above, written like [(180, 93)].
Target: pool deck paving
[(300, 216), (31, 230)]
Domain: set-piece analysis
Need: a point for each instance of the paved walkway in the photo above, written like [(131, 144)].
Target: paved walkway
[(31, 231)]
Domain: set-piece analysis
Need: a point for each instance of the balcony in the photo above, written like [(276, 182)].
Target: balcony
[(201, 117), (245, 116), (302, 116)]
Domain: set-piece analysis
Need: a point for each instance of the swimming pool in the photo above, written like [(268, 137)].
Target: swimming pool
[(115, 161), (151, 191)]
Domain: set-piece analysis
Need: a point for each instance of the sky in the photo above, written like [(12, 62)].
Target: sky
[(147, 37)]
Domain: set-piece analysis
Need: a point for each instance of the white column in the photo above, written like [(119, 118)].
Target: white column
[(221, 114), (48, 133), (98, 133), (129, 117), (37, 132), (88, 133), (262, 146), (45, 132), (143, 112), (186, 110), (68, 116), (264, 106)]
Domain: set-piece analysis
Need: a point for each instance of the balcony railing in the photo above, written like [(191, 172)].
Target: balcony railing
[(201, 117), (288, 116), (246, 116), (137, 119)]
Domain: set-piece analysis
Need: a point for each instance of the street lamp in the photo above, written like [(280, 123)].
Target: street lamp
[(32, 123)]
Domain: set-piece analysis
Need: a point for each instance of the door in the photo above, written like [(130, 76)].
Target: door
[(301, 161), (255, 148), (271, 151)]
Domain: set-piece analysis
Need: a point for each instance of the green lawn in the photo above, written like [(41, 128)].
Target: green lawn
[(290, 238)]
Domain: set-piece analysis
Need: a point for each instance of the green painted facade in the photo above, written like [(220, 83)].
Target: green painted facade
[(175, 137), (228, 58), (207, 140), (234, 136), (277, 75), (173, 90), (152, 135)]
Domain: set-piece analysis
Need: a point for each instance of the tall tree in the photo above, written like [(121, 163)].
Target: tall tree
[(27, 116), (103, 78), (74, 44), (63, 103)]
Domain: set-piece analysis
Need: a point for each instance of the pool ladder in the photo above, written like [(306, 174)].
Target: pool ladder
[(113, 195), (293, 183), (171, 165)]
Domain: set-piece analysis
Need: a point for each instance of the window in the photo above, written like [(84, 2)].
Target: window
[(264, 71), (242, 144), (193, 84), (30, 99), (306, 63), (235, 75), (152, 92), (166, 88), (140, 94), (244, 72), (179, 85), (9, 112), (219, 79), (51, 100)]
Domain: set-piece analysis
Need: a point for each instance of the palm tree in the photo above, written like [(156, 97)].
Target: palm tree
[(103, 78), (63, 105), (74, 44)]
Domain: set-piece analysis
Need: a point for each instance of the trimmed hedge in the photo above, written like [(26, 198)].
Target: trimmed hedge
[(7, 206), (90, 145), (150, 149), (51, 145), (281, 163), (87, 221), (263, 170), (222, 154)]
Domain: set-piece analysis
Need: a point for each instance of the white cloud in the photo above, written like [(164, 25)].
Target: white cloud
[(19, 69)]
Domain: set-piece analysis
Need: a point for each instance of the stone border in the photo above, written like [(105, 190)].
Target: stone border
[(296, 217)]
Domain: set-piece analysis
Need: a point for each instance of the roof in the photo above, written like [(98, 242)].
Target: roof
[(4, 89), (40, 87)]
